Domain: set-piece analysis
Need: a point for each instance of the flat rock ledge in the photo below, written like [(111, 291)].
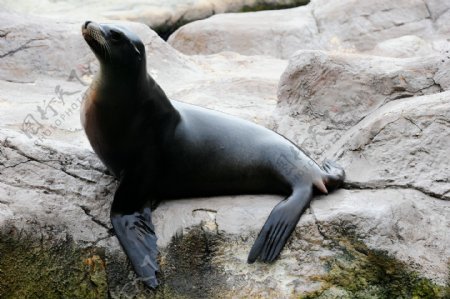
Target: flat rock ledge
[(381, 111)]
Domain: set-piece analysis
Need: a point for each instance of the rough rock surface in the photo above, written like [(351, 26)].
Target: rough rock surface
[(327, 25), (276, 33), (323, 94), (385, 117), (163, 16)]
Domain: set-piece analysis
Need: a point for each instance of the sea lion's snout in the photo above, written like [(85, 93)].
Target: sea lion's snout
[(92, 31), (94, 35)]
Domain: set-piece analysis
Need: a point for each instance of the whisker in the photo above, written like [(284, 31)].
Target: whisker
[(108, 50), (102, 42)]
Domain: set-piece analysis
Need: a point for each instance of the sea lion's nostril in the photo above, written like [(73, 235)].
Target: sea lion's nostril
[(86, 24)]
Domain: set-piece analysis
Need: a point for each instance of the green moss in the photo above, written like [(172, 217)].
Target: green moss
[(31, 268), (188, 267), (363, 273)]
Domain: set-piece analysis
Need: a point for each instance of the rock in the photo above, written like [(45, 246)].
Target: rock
[(163, 16), (323, 94), (344, 26), (404, 143), (370, 23), (37, 268), (386, 120), (274, 33), (227, 228), (232, 83), (74, 183), (408, 224), (402, 47)]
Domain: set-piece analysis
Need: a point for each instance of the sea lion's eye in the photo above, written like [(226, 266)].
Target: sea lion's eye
[(115, 36)]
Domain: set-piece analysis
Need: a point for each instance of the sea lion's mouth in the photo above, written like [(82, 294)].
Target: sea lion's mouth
[(95, 38)]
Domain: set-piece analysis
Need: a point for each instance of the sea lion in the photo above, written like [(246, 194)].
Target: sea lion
[(160, 148)]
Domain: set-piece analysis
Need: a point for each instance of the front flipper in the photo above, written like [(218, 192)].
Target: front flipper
[(137, 237), (133, 226), (280, 225)]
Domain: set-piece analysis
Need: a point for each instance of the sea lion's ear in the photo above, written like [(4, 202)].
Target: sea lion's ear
[(138, 52)]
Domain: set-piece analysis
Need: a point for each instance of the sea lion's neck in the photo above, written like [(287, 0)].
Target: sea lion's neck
[(125, 89), (118, 85)]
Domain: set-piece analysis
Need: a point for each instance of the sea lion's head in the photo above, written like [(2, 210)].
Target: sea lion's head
[(115, 46)]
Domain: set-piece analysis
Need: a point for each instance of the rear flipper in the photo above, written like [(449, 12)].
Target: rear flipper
[(335, 175), (136, 234), (280, 225)]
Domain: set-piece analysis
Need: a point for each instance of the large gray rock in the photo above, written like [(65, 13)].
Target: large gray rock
[(345, 26), (164, 16), (323, 94), (274, 33), (402, 144), (386, 120), (53, 192), (361, 25), (407, 224)]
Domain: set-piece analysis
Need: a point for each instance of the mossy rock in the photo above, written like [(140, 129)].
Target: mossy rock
[(31, 268), (359, 272), (191, 268)]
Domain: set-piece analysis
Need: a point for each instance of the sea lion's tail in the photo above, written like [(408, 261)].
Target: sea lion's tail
[(334, 175)]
